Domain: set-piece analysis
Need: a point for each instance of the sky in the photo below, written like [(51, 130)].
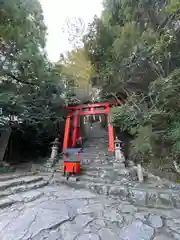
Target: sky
[(56, 12)]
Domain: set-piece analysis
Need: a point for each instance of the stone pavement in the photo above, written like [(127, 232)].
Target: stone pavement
[(63, 213), (40, 207), (103, 176)]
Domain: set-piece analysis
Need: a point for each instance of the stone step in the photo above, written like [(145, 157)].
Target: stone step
[(87, 168), (86, 178), (94, 179), (96, 163), (94, 155), (98, 167), (95, 158), (99, 153), (144, 197), (107, 173), (98, 146), (16, 198), (92, 173), (23, 188), (89, 155), (121, 180), (94, 149), (19, 181), (111, 174), (6, 177), (6, 202)]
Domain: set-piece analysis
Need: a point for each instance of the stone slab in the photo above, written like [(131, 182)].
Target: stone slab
[(27, 196), (137, 230), (162, 237), (6, 202), (27, 187), (6, 177), (19, 181), (155, 221), (11, 197)]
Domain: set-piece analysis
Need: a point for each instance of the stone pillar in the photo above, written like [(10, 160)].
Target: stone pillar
[(136, 172), (140, 173)]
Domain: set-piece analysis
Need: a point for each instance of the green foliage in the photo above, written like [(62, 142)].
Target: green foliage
[(30, 86), (173, 135), (134, 49), (126, 118), (77, 70), (142, 146)]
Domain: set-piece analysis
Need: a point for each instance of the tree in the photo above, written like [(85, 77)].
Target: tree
[(22, 40), (75, 64), (30, 87), (78, 71), (27, 78), (124, 41), (133, 48)]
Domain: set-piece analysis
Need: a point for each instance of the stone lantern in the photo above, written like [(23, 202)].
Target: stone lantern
[(55, 145), (119, 157)]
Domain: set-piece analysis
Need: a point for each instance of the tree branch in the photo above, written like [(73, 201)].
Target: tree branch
[(168, 19), (18, 79)]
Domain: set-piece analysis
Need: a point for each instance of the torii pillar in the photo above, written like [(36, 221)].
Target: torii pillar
[(76, 129), (66, 133), (110, 131)]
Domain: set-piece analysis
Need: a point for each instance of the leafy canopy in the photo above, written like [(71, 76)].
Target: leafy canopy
[(134, 50)]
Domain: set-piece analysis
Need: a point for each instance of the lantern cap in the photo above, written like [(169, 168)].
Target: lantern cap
[(55, 142), (117, 140)]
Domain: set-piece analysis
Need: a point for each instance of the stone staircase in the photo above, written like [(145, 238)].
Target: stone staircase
[(100, 176), (20, 187)]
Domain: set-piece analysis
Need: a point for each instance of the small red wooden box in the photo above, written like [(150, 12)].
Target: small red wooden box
[(72, 167), (72, 161)]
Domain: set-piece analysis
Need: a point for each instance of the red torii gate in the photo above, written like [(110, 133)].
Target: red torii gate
[(87, 109)]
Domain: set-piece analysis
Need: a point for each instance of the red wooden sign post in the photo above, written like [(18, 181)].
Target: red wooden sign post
[(82, 110)]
